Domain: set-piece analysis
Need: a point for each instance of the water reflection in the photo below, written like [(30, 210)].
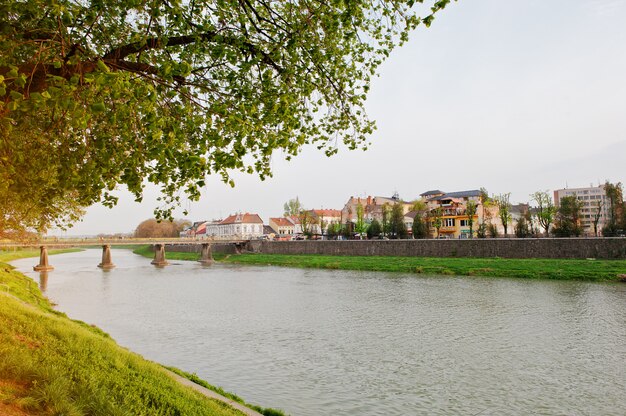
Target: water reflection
[(43, 281), (355, 343)]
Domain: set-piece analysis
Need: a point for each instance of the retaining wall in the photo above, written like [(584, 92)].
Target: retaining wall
[(223, 248), (556, 248)]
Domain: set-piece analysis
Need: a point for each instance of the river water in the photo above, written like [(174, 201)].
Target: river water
[(326, 342)]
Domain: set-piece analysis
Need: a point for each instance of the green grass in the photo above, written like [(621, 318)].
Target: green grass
[(590, 270), (52, 365), (146, 251), (267, 411), (16, 254)]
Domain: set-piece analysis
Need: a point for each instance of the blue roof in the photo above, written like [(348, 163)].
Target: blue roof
[(435, 192), (460, 194)]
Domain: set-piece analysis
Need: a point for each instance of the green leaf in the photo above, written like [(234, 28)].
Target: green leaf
[(102, 66), (98, 107)]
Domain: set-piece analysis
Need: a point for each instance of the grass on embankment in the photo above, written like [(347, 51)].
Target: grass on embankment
[(146, 251), (591, 270), (52, 365), (16, 254)]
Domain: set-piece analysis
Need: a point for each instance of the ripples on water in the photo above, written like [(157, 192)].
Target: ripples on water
[(358, 343)]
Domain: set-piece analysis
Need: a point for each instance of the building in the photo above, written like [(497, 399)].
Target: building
[(236, 226), (322, 218), (372, 207), (595, 204), (190, 232), (452, 207), (283, 226)]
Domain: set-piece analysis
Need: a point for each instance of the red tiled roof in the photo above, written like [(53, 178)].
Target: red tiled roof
[(327, 212), (201, 228), (282, 222), (242, 219)]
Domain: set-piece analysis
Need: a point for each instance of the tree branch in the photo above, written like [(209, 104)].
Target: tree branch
[(124, 51)]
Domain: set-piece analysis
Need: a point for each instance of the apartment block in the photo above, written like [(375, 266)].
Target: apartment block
[(594, 203)]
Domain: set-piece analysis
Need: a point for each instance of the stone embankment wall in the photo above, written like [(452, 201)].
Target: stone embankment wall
[(556, 248)]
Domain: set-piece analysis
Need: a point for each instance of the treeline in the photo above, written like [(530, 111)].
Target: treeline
[(152, 228)]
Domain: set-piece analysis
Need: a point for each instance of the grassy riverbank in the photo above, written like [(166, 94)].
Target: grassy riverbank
[(146, 251), (558, 269), (591, 270), (16, 254), (52, 365)]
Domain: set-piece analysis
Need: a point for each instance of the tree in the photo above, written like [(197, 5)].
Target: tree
[(522, 229), (419, 228), (481, 232), (347, 229), (129, 93), (386, 214), (396, 222), (470, 210), (374, 229), (615, 197), (436, 219), (567, 222), (360, 226), (153, 228), (419, 205), (323, 224), (597, 214), (545, 209), (504, 210), (487, 203), (306, 222), (334, 230), (292, 207)]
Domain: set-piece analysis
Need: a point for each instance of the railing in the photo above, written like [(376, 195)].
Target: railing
[(69, 242)]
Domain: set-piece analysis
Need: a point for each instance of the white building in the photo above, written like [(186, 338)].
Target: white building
[(594, 202), (324, 217), (283, 226), (236, 226)]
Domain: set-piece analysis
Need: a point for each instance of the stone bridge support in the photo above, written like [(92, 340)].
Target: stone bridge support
[(106, 263), (44, 265), (159, 255), (43, 281), (240, 247), (206, 258)]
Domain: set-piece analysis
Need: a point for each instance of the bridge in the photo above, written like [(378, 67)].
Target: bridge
[(206, 256)]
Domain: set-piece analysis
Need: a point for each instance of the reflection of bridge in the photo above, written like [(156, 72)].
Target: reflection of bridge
[(206, 256)]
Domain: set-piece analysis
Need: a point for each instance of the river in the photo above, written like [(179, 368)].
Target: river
[(334, 342)]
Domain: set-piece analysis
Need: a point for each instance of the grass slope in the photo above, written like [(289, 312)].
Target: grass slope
[(591, 270), (16, 254), (52, 365), (146, 251)]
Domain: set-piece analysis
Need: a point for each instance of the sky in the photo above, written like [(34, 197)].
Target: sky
[(512, 96)]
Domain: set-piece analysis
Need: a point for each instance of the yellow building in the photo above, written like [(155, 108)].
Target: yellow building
[(449, 211)]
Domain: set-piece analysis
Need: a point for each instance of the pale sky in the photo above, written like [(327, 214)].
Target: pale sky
[(513, 96)]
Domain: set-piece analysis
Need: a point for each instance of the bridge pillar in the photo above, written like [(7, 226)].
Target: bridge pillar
[(206, 259), (106, 263), (159, 255), (43, 281), (43, 265)]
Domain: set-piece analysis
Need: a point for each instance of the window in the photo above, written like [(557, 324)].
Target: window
[(464, 223), (448, 222)]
